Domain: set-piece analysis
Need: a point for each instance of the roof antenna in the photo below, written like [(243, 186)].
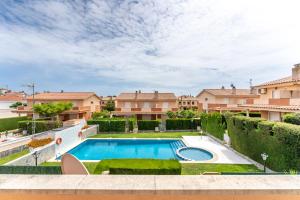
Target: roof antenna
[(250, 83)]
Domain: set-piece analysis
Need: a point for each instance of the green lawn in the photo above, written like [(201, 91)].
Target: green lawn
[(199, 168), (14, 156), (146, 135), (187, 168)]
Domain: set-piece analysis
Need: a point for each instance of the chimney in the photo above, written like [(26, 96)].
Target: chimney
[(296, 72), (251, 90), (223, 88), (136, 94), (155, 94), (233, 88), (62, 91), (140, 91)]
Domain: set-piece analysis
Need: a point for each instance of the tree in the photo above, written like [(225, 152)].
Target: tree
[(100, 115), (52, 109), (17, 104), (171, 114), (110, 106)]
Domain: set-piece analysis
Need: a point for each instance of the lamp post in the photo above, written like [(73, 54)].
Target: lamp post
[(32, 86), (264, 156), (36, 155)]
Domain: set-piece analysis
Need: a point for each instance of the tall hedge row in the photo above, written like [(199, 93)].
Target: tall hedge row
[(30, 170), (182, 124), (109, 125), (214, 124), (40, 126), (292, 118), (254, 136), (147, 124), (11, 123)]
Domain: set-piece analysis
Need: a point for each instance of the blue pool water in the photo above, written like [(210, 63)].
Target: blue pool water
[(100, 149), (195, 154)]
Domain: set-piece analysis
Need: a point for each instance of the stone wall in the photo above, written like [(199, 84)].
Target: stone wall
[(45, 153), (92, 130)]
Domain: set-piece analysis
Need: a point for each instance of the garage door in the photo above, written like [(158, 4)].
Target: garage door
[(274, 116)]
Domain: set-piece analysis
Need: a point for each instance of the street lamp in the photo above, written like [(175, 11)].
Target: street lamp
[(264, 156), (32, 86)]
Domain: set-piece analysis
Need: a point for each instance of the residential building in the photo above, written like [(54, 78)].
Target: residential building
[(104, 100), (278, 97), (84, 103), (146, 106), (186, 102), (7, 99), (225, 99)]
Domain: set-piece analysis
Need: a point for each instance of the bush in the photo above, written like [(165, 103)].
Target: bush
[(292, 118), (147, 124), (139, 166), (40, 126), (30, 170), (11, 123), (214, 124), (178, 124), (34, 143), (251, 114), (254, 136), (101, 115), (109, 125)]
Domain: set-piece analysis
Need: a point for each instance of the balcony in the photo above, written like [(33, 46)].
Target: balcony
[(146, 110), (81, 108), (280, 102)]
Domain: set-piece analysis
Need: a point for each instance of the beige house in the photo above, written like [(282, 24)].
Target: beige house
[(84, 103), (278, 97), (225, 99), (146, 106), (104, 100), (186, 102)]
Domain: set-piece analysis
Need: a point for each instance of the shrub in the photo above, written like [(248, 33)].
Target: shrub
[(34, 143), (147, 124), (11, 123), (254, 136), (109, 125), (101, 115), (292, 118), (214, 124), (30, 170), (40, 126), (139, 166), (251, 114), (178, 124)]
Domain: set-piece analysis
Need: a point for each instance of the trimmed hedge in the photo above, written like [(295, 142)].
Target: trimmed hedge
[(182, 124), (254, 136), (214, 124), (11, 123), (147, 124), (251, 114), (109, 125), (30, 170), (292, 118), (40, 126), (139, 166)]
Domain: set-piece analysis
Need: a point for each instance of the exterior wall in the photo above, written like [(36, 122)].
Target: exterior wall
[(45, 153), (206, 98), (264, 114), (93, 102)]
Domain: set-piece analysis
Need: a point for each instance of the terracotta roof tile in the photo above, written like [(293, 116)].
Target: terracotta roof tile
[(229, 93), (266, 106), (13, 96), (63, 96), (288, 79), (146, 96)]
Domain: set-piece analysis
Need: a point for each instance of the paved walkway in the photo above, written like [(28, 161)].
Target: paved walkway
[(224, 154)]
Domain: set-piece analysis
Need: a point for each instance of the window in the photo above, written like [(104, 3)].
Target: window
[(226, 101), (92, 102), (193, 103), (206, 99), (127, 105), (165, 105), (146, 105), (179, 102), (188, 103)]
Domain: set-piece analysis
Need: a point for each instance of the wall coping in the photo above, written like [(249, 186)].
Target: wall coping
[(151, 184)]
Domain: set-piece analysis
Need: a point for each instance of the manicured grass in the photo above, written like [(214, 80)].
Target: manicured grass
[(199, 168), (139, 166), (187, 168), (146, 135), (14, 156), (89, 165)]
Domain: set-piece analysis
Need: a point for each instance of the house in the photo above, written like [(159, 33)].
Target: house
[(145, 106), (84, 103), (7, 99), (225, 99), (106, 99), (186, 102), (278, 97)]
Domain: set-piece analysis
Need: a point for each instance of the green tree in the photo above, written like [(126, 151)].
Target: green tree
[(171, 114), (100, 115), (52, 109), (110, 106), (17, 104)]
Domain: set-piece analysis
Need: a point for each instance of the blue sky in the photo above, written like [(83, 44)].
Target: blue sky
[(181, 46)]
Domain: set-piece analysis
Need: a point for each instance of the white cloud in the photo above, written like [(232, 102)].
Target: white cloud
[(172, 44)]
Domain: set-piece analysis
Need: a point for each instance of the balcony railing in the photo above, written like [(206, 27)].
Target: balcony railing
[(144, 109), (280, 102)]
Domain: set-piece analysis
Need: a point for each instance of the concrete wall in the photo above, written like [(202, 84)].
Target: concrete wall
[(45, 153), (13, 150), (92, 130)]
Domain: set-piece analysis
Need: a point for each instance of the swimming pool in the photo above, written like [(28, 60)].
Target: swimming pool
[(101, 149)]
